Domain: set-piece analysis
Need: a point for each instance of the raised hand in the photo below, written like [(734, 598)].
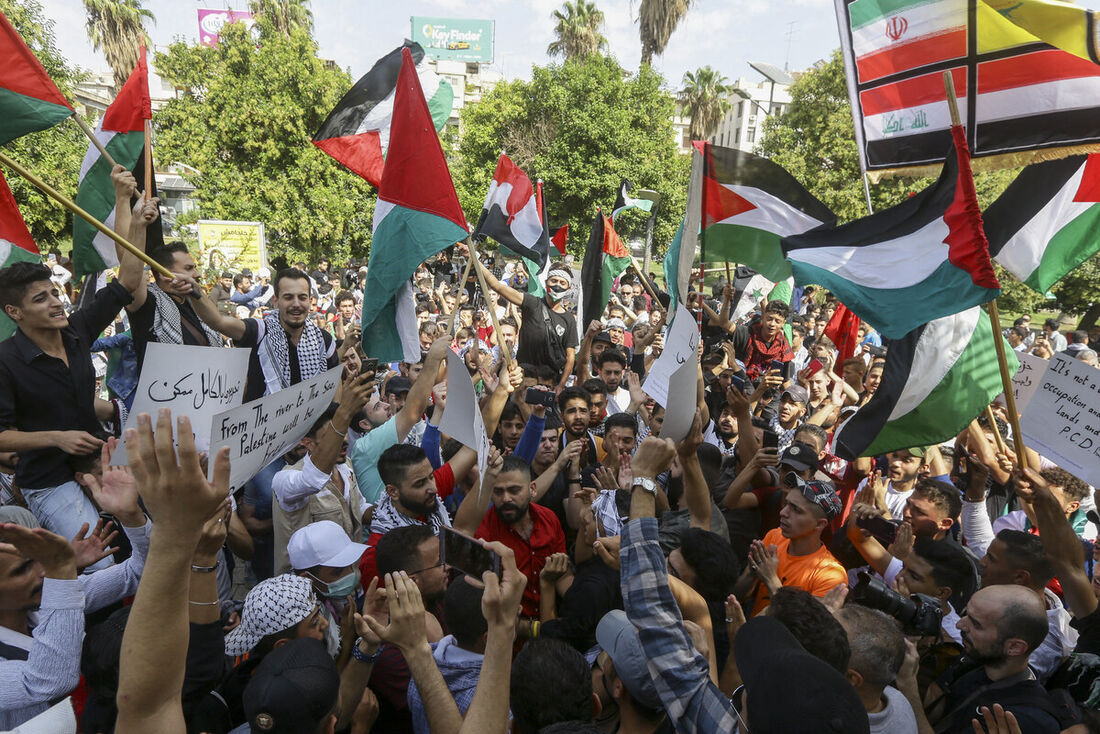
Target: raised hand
[(501, 597), (653, 456), (57, 557), (96, 546), (764, 562), (903, 542), (406, 628), (213, 535), (557, 565), (116, 490), (124, 182), (608, 550)]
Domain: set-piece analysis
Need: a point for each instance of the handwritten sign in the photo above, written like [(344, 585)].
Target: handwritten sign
[(681, 346), (462, 419), (680, 413), (1063, 418), (1026, 380), (198, 382), (260, 431)]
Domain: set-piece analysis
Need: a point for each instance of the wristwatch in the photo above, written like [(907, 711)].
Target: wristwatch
[(647, 484), (362, 656)]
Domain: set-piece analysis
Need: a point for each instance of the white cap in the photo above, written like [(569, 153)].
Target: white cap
[(323, 543), (263, 272)]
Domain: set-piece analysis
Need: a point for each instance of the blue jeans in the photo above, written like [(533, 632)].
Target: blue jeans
[(63, 510), (257, 494)]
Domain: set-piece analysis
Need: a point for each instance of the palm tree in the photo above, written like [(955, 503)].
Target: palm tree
[(657, 19), (705, 97), (284, 14), (116, 27), (578, 30)]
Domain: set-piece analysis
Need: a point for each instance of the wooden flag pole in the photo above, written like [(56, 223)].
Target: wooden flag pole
[(645, 279), (71, 206), (505, 352), (994, 317), (95, 141), (453, 318), (1002, 448), (148, 160)]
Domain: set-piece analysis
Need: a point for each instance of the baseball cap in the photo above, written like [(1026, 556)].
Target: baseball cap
[(273, 605), (619, 639), (398, 384), (322, 543), (918, 451), (293, 689), (264, 272), (616, 324), (602, 336), (773, 664), (800, 456), (797, 393), (822, 494)]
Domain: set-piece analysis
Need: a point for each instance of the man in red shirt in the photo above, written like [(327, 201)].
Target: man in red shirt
[(532, 531)]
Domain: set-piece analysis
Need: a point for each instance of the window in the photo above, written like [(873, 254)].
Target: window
[(737, 136), (750, 135)]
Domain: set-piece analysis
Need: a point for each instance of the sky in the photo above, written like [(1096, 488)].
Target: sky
[(725, 34)]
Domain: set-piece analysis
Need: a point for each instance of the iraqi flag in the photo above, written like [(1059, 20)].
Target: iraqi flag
[(511, 214), (937, 379), (605, 258), (29, 100), (417, 216), (16, 244), (122, 133), (749, 204), (1047, 222), (915, 262), (357, 131)]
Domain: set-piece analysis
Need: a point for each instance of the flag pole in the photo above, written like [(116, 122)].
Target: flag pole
[(994, 317), (148, 160), (71, 206), (505, 352), (867, 193), (644, 277), (1001, 447), (91, 136), (453, 318)]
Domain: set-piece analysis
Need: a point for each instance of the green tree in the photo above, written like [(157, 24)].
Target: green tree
[(657, 19), (577, 30), (705, 96), (53, 154), (245, 122), (116, 27), (283, 15), (581, 126)]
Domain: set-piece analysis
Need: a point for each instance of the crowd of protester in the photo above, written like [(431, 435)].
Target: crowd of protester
[(744, 579)]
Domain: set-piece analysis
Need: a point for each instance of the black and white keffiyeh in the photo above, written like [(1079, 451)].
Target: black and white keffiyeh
[(386, 517), (275, 353), (167, 322)]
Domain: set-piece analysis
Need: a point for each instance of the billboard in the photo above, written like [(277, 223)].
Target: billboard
[(231, 245), (455, 39), (211, 22)]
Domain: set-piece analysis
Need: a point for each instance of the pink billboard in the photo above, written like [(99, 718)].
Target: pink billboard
[(211, 22)]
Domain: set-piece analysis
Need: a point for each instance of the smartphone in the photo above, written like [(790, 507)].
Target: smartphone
[(877, 351), (466, 554), (370, 364), (738, 381), (771, 440), (535, 396), (880, 528), (813, 367)]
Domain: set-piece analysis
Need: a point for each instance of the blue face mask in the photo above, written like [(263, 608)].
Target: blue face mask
[(341, 587)]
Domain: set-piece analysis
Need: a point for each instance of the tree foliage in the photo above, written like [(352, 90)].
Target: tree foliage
[(705, 97), (245, 122), (53, 154), (657, 19), (578, 27), (581, 126), (117, 28), (281, 16)]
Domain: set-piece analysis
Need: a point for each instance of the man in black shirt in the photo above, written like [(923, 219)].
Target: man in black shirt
[(549, 333)]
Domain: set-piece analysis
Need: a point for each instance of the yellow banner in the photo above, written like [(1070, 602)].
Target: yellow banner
[(232, 245)]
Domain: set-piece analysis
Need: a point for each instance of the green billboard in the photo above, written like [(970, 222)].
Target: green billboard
[(455, 39)]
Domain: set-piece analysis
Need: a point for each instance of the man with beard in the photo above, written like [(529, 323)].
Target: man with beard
[(612, 369), (287, 347), (724, 433), (903, 468), (758, 345), (575, 407), (792, 408), (530, 530)]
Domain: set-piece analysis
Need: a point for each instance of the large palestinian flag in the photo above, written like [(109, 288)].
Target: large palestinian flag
[(122, 132), (357, 131), (417, 216), (16, 244), (937, 379), (749, 204), (1016, 93), (681, 251), (1047, 222), (605, 258), (511, 214), (920, 260), (29, 100)]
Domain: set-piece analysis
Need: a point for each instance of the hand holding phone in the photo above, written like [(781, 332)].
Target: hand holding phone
[(538, 396), (880, 528), (466, 554), (813, 367)]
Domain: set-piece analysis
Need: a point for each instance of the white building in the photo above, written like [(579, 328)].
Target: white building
[(470, 82), (750, 105)]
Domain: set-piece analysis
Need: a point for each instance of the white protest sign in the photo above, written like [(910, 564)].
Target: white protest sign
[(1063, 418), (680, 413), (462, 418), (265, 428), (198, 382), (1026, 380), (681, 345)]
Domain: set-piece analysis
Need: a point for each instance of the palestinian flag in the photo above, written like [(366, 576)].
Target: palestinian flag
[(512, 215), (561, 234), (417, 216), (16, 244), (623, 201), (122, 132), (357, 131), (681, 252), (1047, 222), (937, 379), (1063, 25), (604, 259), (922, 259), (29, 100), (749, 204), (843, 331)]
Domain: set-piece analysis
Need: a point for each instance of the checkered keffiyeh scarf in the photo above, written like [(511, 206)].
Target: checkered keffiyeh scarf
[(312, 359), (386, 517), (273, 605)]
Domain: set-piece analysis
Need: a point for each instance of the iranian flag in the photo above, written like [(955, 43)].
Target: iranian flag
[(604, 259), (122, 132), (937, 379), (1047, 222), (29, 100), (749, 204), (16, 244), (357, 133), (417, 216)]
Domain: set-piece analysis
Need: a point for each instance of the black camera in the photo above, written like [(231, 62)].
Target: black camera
[(920, 614)]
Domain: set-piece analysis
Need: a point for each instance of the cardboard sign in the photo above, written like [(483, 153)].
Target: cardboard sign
[(462, 419), (681, 346), (266, 428), (1062, 421), (680, 412), (1026, 380)]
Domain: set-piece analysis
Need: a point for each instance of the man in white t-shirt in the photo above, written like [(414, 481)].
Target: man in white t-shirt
[(903, 468)]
